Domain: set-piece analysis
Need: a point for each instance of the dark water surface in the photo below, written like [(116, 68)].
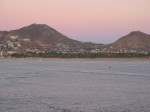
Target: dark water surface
[(74, 86)]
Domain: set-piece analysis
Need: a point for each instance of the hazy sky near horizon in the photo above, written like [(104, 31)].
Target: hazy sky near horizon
[(101, 21)]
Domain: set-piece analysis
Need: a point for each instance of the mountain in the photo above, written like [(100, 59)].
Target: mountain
[(135, 40), (40, 36)]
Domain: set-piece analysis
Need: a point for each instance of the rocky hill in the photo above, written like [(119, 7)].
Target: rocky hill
[(40, 36), (134, 41)]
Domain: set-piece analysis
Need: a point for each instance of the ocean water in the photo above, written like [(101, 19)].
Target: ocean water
[(74, 86)]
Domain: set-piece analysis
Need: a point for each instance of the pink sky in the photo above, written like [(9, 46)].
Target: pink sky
[(101, 21)]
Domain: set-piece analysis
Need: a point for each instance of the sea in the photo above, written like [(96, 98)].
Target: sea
[(74, 86)]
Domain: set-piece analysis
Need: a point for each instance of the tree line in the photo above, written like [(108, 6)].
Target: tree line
[(79, 55)]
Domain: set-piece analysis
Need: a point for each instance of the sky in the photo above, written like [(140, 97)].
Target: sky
[(100, 21)]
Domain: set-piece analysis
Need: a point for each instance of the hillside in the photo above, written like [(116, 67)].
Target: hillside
[(40, 36), (135, 40)]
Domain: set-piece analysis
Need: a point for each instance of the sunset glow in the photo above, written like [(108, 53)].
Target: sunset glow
[(101, 21)]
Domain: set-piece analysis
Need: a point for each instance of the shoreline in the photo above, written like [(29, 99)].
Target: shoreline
[(82, 59)]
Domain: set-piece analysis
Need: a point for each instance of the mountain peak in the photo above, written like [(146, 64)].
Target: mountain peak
[(34, 25), (36, 30), (133, 41), (136, 33)]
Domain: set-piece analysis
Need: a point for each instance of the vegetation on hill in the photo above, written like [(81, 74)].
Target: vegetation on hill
[(80, 55)]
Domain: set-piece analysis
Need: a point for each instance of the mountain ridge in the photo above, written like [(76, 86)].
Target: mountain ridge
[(41, 37)]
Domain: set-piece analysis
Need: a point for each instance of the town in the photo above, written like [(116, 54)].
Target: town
[(13, 48)]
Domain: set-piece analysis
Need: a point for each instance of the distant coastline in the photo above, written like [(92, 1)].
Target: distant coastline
[(40, 40), (80, 59)]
